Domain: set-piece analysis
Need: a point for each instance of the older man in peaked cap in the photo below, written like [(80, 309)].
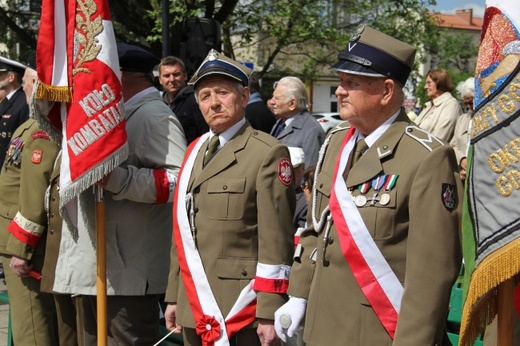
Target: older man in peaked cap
[(233, 213), (14, 110), (138, 197), (377, 264)]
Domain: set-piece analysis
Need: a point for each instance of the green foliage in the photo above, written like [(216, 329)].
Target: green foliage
[(298, 37), (19, 28)]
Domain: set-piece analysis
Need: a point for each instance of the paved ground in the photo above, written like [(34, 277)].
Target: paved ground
[(4, 317)]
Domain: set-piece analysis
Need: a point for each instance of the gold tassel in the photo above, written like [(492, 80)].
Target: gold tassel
[(480, 307), (54, 93)]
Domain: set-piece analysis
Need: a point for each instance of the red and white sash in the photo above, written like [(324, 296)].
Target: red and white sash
[(371, 270), (211, 325)]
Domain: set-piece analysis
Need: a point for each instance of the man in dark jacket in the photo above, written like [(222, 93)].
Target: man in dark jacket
[(14, 110), (180, 97), (257, 113)]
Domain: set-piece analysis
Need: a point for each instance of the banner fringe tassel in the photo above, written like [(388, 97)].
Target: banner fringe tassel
[(93, 175), (480, 306), (54, 93)]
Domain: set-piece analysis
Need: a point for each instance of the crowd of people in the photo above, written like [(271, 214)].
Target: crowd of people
[(237, 215)]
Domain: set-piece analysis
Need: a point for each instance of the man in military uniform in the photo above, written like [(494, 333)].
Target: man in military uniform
[(378, 262), (14, 110), (23, 220), (233, 214)]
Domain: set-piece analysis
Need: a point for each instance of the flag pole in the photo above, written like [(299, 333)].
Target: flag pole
[(505, 313), (101, 267)]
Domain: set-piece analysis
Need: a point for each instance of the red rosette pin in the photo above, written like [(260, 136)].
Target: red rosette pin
[(209, 329)]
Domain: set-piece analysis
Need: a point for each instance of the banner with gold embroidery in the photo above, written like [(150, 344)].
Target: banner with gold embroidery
[(491, 217), (78, 68)]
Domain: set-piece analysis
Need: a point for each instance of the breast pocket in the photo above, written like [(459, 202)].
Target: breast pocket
[(226, 198), (380, 215), (323, 184)]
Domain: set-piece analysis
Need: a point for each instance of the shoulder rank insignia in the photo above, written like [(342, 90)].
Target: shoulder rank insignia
[(449, 196), (40, 134), (428, 140)]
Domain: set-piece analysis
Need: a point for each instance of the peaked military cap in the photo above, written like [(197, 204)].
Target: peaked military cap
[(218, 63), (7, 65), (374, 54), (135, 59)]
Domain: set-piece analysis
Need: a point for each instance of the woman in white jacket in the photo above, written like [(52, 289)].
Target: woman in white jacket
[(439, 116)]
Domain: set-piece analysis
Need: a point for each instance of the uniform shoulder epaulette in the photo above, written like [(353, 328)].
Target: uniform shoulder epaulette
[(265, 138), (340, 127), (425, 138)]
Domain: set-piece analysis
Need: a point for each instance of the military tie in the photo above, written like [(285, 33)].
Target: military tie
[(212, 149), (361, 147)]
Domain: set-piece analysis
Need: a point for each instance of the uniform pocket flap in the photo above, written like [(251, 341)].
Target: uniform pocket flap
[(323, 184), (227, 185), (236, 268)]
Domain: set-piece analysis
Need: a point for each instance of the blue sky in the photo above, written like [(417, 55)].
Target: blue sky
[(449, 6)]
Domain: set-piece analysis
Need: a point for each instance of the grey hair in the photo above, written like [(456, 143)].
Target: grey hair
[(295, 89), (467, 88)]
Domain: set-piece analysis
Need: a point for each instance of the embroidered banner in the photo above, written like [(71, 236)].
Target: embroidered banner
[(491, 219), (78, 68)]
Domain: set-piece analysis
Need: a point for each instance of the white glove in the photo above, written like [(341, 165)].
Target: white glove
[(288, 317)]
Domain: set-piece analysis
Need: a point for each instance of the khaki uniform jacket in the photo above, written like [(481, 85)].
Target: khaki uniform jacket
[(243, 216), (23, 183), (417, 235)]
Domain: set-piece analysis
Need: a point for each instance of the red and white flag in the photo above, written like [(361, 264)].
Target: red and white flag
[(78, 69)]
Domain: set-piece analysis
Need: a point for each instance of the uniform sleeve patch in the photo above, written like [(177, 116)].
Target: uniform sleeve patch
[(40, 134), (285, 173), (449, 196), (37, 156)]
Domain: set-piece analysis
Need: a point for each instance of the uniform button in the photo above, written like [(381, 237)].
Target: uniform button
[(196, 190), (196, 209), (244, 273), (53, 198), (321, 185), (224, 187), (29, 248), (409, 129), (52, 214), (52, 231), (57, 188), (326, 262), (385, 147), (330, 240)]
